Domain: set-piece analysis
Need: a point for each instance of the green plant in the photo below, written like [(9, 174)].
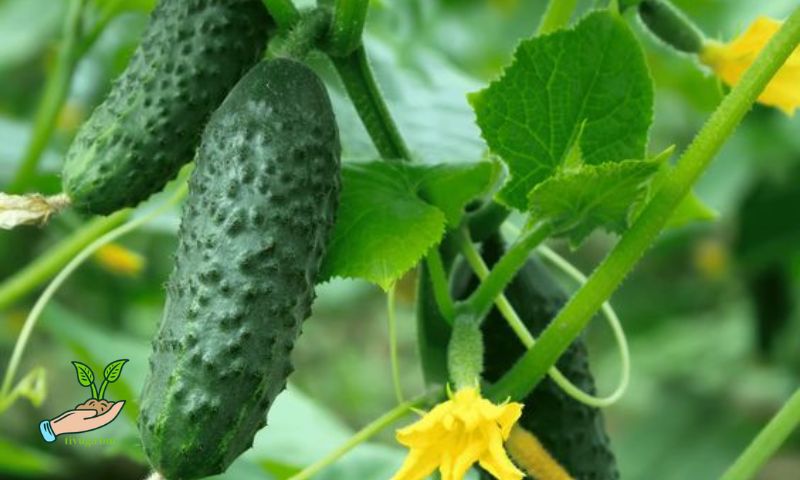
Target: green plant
[(111, 374), (253, 232)]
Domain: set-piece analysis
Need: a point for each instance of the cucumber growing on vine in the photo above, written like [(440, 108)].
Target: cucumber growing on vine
[(572, 432), (254, 229), (192, 53)]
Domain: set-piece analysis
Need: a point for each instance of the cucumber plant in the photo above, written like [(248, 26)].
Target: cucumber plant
[(566, 125)]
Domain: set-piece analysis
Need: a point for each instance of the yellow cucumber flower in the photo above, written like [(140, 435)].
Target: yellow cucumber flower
[(118, 259), (729, 61), (463, 430)]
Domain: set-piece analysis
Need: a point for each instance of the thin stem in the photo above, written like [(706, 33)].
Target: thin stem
[(51, 289), (362, 436), (392, 321), (556, 15), (47, 265), (102, 392), (767, 441), (532, 367), (528, 340), (440, 288), (349, 17), (359, 81), (482, 299), (94, 392), (283, 12), (109, 13), (56, 89)]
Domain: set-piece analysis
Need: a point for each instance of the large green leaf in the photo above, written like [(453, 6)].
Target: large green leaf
[(391, 214), (587, 86)]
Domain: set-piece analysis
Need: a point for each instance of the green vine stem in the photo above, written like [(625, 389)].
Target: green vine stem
[(527, 339), (47, 265), (482, 299), (532, 367), (392, 325), (349, 17), (364, 434), (440, 285), (283, 12), (359, 81), (41, 303), (309, 30), (55, 92), (556, 15), (767, 441)]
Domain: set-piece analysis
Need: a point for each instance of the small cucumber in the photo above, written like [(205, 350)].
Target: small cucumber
[(192, 53), (572, 432), (254, 229)]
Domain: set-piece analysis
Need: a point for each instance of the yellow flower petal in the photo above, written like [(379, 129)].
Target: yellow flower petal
[(730, 61), (118, 259), (456, 434), (418, 465)]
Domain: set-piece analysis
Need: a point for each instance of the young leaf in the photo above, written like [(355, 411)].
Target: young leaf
[(588, 86), (591, 196), (391, 214), (113, 370), (85, 374)]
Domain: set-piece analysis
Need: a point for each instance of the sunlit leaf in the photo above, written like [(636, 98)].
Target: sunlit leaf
[(391, 214), (588, 85)]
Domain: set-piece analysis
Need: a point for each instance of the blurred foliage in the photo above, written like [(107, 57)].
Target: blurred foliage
[(704, 380)]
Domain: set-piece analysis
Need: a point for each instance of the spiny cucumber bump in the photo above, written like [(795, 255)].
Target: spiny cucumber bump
[(274, 142), (191, 54)]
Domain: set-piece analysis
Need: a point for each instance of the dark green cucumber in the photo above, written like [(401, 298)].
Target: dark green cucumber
[(571, 431), (192, 53), (254, 229)]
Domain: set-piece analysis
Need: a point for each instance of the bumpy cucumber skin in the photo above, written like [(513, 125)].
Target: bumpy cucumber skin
[(254, 229), (571, 431), (192, 53)]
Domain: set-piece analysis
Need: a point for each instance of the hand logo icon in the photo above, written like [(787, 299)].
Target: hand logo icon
[(95, 412)]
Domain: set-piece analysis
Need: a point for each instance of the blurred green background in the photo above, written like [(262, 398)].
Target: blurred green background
[(711, 312)]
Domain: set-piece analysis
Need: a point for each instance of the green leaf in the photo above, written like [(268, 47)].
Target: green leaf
[(588, 86), (85, 374), (451, 186), (586, 197), (691, 209), (113, 370), (390, 215)]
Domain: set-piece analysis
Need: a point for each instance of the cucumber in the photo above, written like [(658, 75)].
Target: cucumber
[(192, 53), (254, 229), (572, 432)]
